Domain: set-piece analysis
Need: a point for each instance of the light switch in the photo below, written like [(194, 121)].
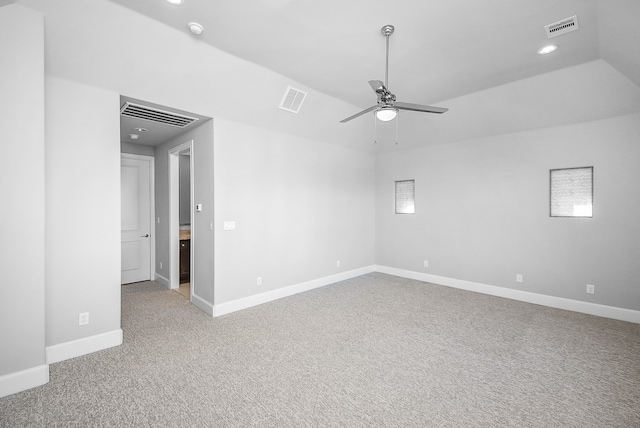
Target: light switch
[(229, 225)]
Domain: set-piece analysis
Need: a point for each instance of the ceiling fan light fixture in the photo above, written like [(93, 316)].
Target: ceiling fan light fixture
[(386, 114), (176, 2)]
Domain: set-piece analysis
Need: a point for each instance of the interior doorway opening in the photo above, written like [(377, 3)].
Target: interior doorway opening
[(181, 219)]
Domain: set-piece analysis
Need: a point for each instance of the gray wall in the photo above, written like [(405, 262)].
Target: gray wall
[(299, 207), (137, 149), (483, 212), (22, 218), (82, 210), (202, 153), (185, 189)]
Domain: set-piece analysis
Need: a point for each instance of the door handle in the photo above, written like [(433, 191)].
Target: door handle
[(145, 236)]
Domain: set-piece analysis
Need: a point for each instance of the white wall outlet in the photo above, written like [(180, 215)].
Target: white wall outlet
[(229, 225), (591, 289), (426, 263), (337, 263), (198, 207), (519, 277), (259, 281), (83, 318)]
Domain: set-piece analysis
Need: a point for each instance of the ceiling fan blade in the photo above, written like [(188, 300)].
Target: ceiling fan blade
[(377, 86), (418, 107), (372, 108)]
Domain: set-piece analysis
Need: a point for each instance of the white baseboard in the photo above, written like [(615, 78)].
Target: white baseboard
[(86, 345), (23, 380), (269, 296), (199, 302), (612, 312), (161, 280)]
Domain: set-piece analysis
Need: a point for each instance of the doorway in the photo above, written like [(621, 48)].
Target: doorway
[(137, 213), (181, 219)]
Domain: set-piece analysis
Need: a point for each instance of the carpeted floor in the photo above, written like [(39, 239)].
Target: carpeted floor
[(374, 351)]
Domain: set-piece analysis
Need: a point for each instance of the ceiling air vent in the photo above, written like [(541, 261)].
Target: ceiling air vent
[(138, 111), (562, 27), (292, 99)]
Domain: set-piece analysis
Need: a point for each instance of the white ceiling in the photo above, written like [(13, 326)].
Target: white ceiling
[(440, 49), (442, 53), (478, 58)]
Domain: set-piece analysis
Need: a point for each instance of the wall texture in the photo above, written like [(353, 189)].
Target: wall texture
[(299, 207), (483, 212), (22, 184), (82, 210)]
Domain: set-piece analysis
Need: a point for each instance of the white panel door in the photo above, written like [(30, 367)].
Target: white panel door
[(136, 219)]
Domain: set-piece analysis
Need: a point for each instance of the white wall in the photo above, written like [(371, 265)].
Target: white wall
[(299, 207), (82, 210), (22, 262), (483, 212)]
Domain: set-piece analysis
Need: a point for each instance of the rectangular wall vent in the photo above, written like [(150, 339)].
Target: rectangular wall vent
[(138, 111), (562, 27), (292, 99)]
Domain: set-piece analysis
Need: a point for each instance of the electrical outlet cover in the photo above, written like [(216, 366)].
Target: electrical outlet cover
[(83, 318)]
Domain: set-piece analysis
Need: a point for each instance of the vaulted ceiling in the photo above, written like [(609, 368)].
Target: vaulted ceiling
[(439, 51), (476, 58)]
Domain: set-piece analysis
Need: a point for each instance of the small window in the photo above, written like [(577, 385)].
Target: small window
[(571, 192), (405, 197)]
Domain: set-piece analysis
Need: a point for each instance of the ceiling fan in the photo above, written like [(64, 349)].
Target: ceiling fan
[(387, 107)]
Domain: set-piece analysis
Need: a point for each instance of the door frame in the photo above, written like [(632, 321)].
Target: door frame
[(152, 208), (174, 216)]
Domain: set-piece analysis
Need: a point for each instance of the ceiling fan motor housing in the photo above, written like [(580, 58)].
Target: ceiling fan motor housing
[(387, 98)]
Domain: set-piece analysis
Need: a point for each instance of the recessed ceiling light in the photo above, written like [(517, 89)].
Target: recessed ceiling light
[(134, 136), (140, 129), (176, 2), (196, 28), (547, 49)]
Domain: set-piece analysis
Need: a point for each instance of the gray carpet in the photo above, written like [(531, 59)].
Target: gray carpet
[(374, 351)]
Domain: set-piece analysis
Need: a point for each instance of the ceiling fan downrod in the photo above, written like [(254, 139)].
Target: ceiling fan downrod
[(387, 31)]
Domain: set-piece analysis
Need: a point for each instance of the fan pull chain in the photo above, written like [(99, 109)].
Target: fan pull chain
[(397, 119)]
